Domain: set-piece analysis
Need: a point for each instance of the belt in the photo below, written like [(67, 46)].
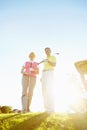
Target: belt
[(47, 70), (25, 75)]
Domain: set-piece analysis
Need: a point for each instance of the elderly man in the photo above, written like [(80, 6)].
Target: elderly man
[(47, 81)]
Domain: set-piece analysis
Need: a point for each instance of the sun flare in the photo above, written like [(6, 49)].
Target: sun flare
[(68, 92), (68, 89)]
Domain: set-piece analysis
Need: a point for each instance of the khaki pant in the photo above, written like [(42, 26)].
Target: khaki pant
[(28, 85)]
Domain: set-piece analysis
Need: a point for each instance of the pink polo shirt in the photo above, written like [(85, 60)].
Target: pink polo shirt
[(30, 67)]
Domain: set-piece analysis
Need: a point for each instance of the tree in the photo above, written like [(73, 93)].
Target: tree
[(6, 109)]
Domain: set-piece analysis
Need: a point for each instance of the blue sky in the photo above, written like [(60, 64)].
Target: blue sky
[(26, 26)]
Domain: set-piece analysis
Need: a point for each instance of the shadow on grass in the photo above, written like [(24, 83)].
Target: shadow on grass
[(79, 121), (7, 118), (31, 123)]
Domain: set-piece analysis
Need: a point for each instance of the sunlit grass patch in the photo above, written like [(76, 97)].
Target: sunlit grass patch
[(43, 121), (8, 121)]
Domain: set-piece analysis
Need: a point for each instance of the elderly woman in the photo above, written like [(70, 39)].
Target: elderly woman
[(29, 71)]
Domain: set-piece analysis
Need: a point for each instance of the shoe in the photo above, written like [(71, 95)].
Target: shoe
[(23, 111), (49, 112), (28, 110)]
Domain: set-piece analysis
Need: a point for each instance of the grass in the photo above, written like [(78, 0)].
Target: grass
[(43, 121)]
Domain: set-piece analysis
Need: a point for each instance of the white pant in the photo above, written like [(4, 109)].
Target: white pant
[(48, 90)]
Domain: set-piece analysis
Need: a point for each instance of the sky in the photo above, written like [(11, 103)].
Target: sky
[(27, 26)]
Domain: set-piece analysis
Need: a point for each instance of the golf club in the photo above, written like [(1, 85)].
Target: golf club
[(46, 59)]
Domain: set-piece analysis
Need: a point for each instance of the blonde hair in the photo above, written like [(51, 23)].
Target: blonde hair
[(32, 54)]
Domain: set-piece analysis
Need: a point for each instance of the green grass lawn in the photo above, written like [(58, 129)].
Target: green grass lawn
[(43, 121)]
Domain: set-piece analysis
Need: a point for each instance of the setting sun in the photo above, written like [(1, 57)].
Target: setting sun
[(68, 90)]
